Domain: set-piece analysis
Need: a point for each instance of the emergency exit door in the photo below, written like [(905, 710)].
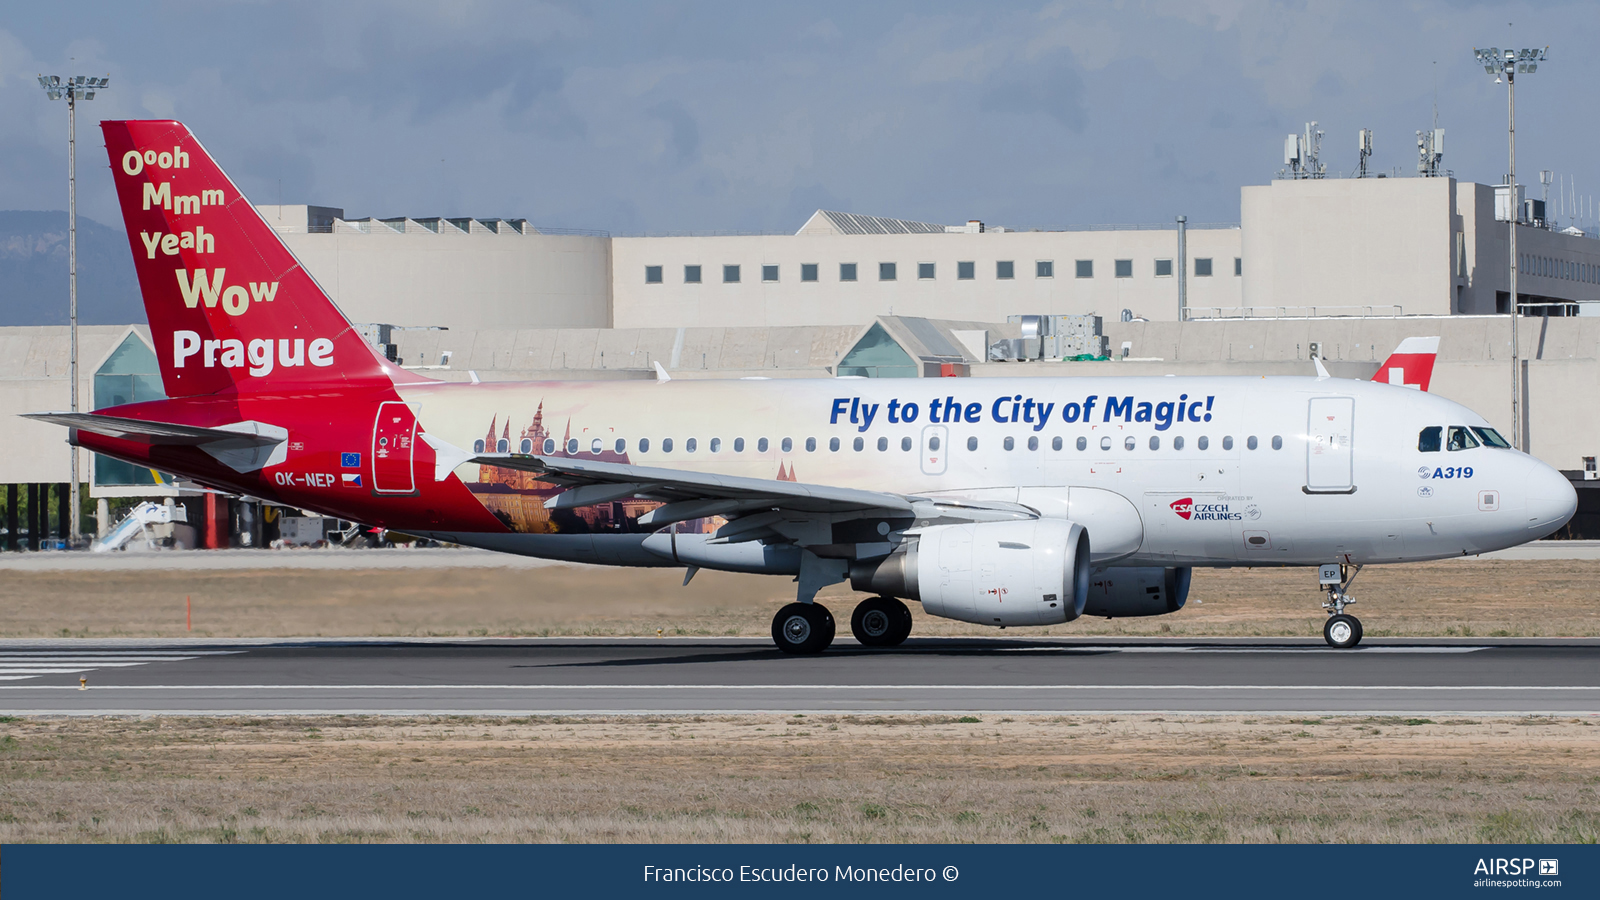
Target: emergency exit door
[(394, 437), (1330, 434)]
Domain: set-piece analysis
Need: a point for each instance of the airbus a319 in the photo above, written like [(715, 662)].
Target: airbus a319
[(997, 501)]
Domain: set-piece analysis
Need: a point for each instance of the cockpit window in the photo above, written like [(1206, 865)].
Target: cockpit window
[(1492, 438), (1461, 438), (1428, 441)]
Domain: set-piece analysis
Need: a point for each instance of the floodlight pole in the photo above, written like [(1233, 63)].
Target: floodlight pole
[(55, 89), (1508, 63)]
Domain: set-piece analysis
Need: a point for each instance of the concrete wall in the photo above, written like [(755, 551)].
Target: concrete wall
[(477, 280), (34, 366), (828, 301)]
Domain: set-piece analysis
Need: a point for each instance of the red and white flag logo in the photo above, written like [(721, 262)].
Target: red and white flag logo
[(1184, 508)]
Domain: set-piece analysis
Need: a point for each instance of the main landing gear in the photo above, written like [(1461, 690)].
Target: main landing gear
[(1342, 631), (809, 627), (881, 622), (803, 628)]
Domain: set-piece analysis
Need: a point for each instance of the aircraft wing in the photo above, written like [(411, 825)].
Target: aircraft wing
[(758, 508)]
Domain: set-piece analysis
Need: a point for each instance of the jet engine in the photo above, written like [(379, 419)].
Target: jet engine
[(1033, 572), (1126, 591)]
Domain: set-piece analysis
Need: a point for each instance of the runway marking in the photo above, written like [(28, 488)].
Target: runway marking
[(1460, 688), (1201, 649), (17, 666)]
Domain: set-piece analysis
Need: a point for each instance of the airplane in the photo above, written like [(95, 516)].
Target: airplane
[(996, 501)]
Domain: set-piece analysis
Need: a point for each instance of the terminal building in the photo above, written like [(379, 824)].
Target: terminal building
[(1342, 269)]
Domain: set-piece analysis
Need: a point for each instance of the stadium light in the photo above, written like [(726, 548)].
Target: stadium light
[(73, 88), (1508, 64)]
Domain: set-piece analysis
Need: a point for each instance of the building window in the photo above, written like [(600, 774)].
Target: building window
[(925, 271), (730, 274), (652, 274), (1044, 268), (847, 271), (691, 274), (1005, 270), (886, 271), (1238, 266), (769, 273), (1123, 268), (1202, 267), (966, 271), (808, 271), (1163, 268), (1085, 268)]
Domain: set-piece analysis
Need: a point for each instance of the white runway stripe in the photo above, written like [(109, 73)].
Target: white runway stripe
[(19, 665)]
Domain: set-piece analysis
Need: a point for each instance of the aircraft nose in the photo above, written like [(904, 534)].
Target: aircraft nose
[(1551, 499)]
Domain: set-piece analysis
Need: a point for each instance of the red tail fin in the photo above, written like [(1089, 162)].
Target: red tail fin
[(1411, 363), (230, 307)]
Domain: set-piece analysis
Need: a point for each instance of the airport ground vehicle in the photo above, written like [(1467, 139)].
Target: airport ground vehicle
[(1004, 501)]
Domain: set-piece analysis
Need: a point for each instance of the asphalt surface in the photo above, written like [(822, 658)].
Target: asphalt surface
[(733, 675)]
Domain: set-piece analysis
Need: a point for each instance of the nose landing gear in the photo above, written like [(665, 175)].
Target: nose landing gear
[(1342, 631)]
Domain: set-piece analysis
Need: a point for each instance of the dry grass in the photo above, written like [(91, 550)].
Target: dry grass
[(1465, 598), (799, 779)]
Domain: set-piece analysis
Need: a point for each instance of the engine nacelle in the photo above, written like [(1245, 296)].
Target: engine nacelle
[(1126, 591), (1033, 572)]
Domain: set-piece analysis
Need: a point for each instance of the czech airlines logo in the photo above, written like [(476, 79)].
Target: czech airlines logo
[(1190, 511), (1184, 508)]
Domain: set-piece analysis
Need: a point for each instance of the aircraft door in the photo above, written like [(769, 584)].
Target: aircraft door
[(1330, 432), (394, 436), (935, 449)]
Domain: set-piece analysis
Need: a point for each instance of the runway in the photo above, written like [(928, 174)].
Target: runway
[(733, 675)]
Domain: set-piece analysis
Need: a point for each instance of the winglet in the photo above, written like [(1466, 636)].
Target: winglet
[(661, 375), (1411, 364), (1322, 371)]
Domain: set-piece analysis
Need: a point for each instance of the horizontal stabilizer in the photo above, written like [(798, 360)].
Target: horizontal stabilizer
[(242, 446)]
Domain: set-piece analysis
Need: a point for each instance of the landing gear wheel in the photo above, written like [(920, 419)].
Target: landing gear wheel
[(1342, 631), (803, 628), (880, 622)]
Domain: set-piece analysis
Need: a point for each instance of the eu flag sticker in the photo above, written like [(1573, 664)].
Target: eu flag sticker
[(350, 460)]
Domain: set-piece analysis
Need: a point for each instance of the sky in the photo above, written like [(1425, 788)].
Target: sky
[(677, 117)]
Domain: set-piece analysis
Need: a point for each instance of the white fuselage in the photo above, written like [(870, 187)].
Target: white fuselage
[(1224, 471)]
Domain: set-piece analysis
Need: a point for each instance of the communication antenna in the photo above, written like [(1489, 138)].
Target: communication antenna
[(1301, 154), (1430, 153), (1365, 149)]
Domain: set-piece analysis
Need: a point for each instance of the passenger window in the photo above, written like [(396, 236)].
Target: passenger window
[(738, 445), (1010, 443), (1033, 443), (787, 445), (1227, 442), (761, 445), (1277, 442), (1155, 442), (572, 445), (972, 443), (933, 443), (1204, 442), (1492, 438), (1177, 442), (1461, 438), (833, 445), (860, 445), (594, 446), (622, 446), (550, 446), (1105, 442), (1430, 439), (690, 445), (905, 443), (811, 445), (1083, 444), (1250, 442), (1055, 442), (666, 445), (1129, 442), (716, 445), (644, 445), (883, 444)]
